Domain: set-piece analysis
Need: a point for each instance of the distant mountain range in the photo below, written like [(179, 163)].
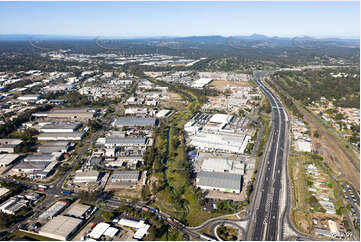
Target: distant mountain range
[(208, 38)]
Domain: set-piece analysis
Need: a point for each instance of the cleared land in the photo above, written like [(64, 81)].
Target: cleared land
[(224, 85)]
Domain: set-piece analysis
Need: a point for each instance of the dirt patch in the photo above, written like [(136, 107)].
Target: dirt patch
[(223, 85), (302, 221)]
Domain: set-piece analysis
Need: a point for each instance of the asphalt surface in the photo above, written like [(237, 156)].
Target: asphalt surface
[(266, 213)]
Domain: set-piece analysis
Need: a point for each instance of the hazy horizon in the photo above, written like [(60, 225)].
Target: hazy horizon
[(181, 19)]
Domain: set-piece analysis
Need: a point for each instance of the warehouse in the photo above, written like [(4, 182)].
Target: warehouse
[(163, 113), (126, 176), (30, 167), (62, 136), (202, 82), (224, 182), (81, 114), (220, 142), (125, 142), (86, 176), (61, 227), (121, 179), (7, 159), (129, 161), (60, 127), (140, 226), (134, 122), (78, 210), (29, 98), (3, 191), (13, 205), (55, 146), (40, 158), (9, 145), (223, 165), (53, 210)]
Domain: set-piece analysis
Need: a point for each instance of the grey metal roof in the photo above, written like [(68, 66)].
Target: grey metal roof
[(39, 157), (134, 121), (37, 165), (126, 175), (62, 126), (134, 140), (55, 143), (219, 180)]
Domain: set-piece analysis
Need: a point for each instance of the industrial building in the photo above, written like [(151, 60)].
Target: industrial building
[(9, 145), (54, 210), (103, 229), (140, 226), (129, 161), (220, 142), (81, 114), (202, 82), (55, 146), (78, 211), (29, 98), (223, 165), (220, 181), (134, 122), (3, 191), (60, 227), (61, 127), (125, 176), (40, 158), (123, 142), (124, 179), (163, 113), (86, 176), (13, 205), (74, 136), (7, 159)]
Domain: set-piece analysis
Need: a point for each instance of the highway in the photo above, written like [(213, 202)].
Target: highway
[(265, 222)]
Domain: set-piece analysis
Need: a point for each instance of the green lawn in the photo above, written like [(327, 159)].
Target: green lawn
[(22, 234)]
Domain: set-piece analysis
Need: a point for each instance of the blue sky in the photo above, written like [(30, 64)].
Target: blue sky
[(141, 19)]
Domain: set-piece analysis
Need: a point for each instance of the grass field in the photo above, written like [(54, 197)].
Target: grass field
[(28, 236)]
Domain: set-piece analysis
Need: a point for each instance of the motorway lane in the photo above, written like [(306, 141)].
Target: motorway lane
[(267, 214)]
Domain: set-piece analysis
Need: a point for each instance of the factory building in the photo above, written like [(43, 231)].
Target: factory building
[(220, 181), (202, 82), (55, 146), (223, 165), (140, 226), (103, 229), (78, 211), (13, 205), (53, 210), (220, 142), (60, 227), (29, 98), (163, 113), (75, 136), (61, 127), (109, 142), (9, 145), (7, 159), (134, 122), (81, 114), (125, 177), (86, 176)]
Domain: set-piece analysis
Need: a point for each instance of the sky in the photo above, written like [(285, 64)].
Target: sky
[(147, 19)]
